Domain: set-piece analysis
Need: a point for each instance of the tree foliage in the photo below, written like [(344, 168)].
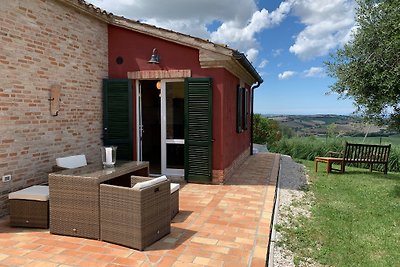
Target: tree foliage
[(332, 130), (266, 131), (368, 67)]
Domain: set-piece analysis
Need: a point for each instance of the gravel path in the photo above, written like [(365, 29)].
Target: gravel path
[(292, 178)]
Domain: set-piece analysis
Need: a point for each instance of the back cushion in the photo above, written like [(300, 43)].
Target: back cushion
[(72, 161)]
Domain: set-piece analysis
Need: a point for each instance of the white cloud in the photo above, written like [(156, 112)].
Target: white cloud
[(186, 16), (315, 72), (252, 54), (242, 33), (263, 63), (328, 24), (276, 52), (286, 74), (239, 22)]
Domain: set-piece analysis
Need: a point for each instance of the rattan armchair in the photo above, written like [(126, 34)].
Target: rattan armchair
[(135, 216)]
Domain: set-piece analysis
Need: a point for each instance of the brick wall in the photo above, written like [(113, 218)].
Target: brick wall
[(44, 43)]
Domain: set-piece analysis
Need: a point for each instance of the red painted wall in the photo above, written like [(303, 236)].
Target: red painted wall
[(136, 49), (233, 143)]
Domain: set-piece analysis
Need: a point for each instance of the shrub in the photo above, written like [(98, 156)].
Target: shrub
[(266, 131)]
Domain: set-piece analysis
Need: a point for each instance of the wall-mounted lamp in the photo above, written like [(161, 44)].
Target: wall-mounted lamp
[(55, 91), (158, 86), (155, 58)]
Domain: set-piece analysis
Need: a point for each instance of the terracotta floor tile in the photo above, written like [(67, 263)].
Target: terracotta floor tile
[(218, 225), (167, 261), (90, 263), (185, 264), (50, 249), (257, 262), (67, 260), (15, 261), (94, 249), (101, 257), (153, 258), (14, 251), (38, 255), (41, 264), (128, 261), (186, 258)]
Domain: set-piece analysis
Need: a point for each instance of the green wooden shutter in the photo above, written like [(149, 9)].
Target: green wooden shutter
[(246, 109), (239, 110), (198, 129), (117, 117)]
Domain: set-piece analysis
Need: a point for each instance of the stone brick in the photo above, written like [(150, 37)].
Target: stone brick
[(43, 43)]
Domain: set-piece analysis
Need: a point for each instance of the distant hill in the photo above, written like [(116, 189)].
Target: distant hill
[(305, 125)]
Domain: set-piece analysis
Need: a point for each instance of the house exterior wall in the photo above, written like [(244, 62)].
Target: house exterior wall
[(44, 43), (136, 48), (236, 146)]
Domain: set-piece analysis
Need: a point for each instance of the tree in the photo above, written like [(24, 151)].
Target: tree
[(368, 67), (266, 131), (331, 130)]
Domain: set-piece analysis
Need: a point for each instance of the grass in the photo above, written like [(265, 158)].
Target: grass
[(355, 220)]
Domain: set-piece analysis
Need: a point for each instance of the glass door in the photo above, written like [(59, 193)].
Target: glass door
[(172, 127)]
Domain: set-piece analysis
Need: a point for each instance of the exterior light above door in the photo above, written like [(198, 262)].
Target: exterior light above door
[(158, 86), (155, 58)]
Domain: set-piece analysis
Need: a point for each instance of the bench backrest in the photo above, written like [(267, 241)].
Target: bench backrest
[(366, 153)]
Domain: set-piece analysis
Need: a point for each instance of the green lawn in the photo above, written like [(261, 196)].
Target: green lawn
[(355, 220)]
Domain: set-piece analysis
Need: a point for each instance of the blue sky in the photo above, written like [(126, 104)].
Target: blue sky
[(286, 41)]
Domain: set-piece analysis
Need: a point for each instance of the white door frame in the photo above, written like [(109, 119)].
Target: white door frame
[(139, 123), (164, 141)]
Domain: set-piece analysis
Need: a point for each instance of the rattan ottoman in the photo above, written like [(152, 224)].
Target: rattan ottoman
[(29, 207), (174, 199)]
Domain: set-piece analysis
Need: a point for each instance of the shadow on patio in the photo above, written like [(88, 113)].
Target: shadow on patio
[(218, 225)]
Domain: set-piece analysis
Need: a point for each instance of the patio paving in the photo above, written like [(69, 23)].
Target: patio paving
[(218, 225)]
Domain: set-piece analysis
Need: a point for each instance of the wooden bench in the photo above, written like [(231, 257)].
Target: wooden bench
[(360, 154)]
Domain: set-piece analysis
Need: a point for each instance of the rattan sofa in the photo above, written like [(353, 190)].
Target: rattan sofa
[(135, 216)]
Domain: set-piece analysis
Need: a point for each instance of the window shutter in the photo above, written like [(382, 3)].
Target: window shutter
[(198, 129), (117, 117), (246, 109), (239, 110)]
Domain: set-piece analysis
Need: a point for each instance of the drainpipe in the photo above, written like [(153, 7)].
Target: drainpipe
[(252, 115)]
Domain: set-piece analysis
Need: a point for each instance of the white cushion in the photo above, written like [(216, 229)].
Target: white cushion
[(174, 187), (36, 192), (146, 184), (72, 161)]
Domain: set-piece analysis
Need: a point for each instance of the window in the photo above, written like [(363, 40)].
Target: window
[(242, 121)]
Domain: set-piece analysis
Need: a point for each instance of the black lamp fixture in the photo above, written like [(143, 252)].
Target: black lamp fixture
[(155, 58)]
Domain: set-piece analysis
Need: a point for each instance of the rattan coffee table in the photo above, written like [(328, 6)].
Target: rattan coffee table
[(74, 196)]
